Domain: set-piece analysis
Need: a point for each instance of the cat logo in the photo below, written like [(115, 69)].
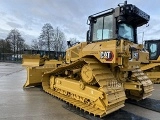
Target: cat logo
[(108, 55)]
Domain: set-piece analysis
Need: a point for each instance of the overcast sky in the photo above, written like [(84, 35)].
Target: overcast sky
[(28, 16)]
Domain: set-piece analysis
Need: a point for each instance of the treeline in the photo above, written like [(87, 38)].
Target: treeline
[(50, 39)]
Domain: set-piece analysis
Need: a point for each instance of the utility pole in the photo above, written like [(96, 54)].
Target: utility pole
[(142, 37)]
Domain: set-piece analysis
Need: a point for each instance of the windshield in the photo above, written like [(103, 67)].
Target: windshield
[(126, 31)]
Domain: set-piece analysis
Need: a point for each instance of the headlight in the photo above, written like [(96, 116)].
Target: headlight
[(135, 55)]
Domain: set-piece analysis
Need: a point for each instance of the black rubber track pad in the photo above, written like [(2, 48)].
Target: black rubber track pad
[(147, 103), (117, 115)]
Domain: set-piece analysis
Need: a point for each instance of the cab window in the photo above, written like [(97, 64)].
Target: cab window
[(103, 28), (153, 50)]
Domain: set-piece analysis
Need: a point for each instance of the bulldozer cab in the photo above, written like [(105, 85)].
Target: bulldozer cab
[(153, 47), (118, 23), (112, 26)]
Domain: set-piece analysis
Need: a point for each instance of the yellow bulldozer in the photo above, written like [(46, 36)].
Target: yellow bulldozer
[(37, 61), (152, 67), (98, 75)]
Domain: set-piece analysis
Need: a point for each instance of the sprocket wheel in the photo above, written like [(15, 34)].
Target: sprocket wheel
[(87, 75)]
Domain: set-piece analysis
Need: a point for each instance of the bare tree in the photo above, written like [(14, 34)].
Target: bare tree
[(5, 49), (2, 46), (51, 39), (72, 42), (17, 42), (2, 49), (59, 41), (26, 46), (8, 48), (46, 37), (35, 44)]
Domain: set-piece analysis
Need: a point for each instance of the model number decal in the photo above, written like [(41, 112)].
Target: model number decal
[(108, 55)]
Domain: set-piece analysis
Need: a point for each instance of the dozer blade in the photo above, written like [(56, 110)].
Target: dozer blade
[(31, 60), (34, 75)]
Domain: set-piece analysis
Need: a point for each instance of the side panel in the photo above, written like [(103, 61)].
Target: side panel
[(105, 51), (112, 51), (143, 56), (75, 52)]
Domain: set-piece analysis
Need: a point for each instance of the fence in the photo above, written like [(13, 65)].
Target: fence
[(11, 57), (51, 54)]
